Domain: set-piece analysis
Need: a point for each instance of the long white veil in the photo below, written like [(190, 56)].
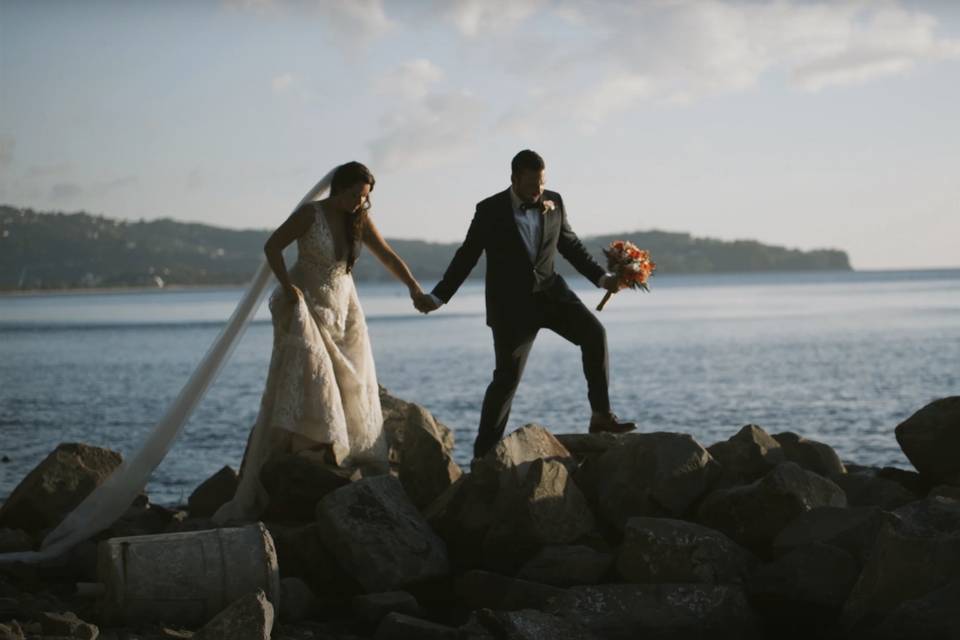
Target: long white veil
[(111, 499)]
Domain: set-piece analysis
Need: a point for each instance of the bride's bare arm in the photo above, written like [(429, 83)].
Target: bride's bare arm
[(389, 258), (295, 226)]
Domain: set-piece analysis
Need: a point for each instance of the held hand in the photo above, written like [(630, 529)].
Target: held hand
[(425, 303), (611, 283), (292, 293)]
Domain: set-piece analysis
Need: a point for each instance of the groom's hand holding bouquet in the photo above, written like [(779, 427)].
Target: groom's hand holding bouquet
[(630, 266)]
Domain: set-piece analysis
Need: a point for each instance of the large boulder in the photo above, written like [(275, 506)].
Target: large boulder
[(421, 448), (544, 508), (661, 550), (934, 615), (868, 487), (930, 438), (213, 493), (810, 454), (852, 529), (295, 483), (56, 486), (748, 455), (567, 565), (754, 514), (479, 589), (651, 474), (379, 536), (248, 618), (399, 626), (918, 555), (526, 624), (809, 581), (662, 611), (508, 462)]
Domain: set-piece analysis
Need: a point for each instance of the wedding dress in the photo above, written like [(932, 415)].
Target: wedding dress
[(321, 385), (334, 302)]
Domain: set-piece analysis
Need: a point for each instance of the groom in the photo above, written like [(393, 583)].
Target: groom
[(521, 230)]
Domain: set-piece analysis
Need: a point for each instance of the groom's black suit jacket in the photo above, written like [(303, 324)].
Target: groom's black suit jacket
[(512, 278)]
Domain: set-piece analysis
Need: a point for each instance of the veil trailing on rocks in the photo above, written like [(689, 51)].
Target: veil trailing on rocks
[(110, 500)]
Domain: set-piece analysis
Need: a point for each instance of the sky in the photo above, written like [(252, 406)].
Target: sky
[(797, 123)]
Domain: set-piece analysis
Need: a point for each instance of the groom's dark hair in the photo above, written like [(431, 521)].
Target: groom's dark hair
[(526, 160)]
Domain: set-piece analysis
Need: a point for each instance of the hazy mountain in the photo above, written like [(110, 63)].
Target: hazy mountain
[(57, 250)]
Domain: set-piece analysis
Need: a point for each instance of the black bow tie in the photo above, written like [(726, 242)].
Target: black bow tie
[(526, 206)]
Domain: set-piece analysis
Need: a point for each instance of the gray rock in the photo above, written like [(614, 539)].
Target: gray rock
[(865, 488), (546, 508), (662, 611), (69, 625), (213, 493), (909, 560), (302, 554), (378, 536), (652, 474), (661, 550), (142, 521), (297, 482), (11, 631), (56, 486), (374, 607), (297, 601), (754, 514), (421, 448), (815, 574), (527, 624), (949, 491), (748, 455), (852, 529), (397, 626), (586, 445), (813, 456), (485, 590), (15, 540), (934, 615), (509, 461), (567, 565), (930, 438), (248, 618)]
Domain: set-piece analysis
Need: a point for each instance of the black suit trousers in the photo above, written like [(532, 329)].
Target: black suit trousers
[(567, 317)]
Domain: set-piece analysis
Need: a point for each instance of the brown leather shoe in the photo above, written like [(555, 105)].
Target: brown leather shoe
[(610, 423)]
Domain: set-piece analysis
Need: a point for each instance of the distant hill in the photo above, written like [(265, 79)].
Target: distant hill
[(76, 250)]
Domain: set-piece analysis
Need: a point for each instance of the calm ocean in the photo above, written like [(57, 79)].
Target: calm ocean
[(839, 357)]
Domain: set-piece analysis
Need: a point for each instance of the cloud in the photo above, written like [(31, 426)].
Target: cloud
[(65, 191), (346, 20), (282, 82), (411, 80), (480, 17), (433, 130), (7, 145)]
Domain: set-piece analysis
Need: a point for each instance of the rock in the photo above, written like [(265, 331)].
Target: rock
[(486, 590), (527, 624), (546, 508), (865, 488), (213, 493), (567, 565), (377, 535), (248, 618), (909, 480), (422, 449), (69, 625), (302, 554), (15, 540), (297, 601), (934, 615), (142, 521), (374, 607), (930, 438), (852, 529), (754, 514), (56, 486), (661, 550), (297, 482), (812, 576), (810, 454), (748, 455), (11, 631), (662, 611), (948, 491), (587, 445), (397, 626), (918, 555), (652, 474), (509, 461)]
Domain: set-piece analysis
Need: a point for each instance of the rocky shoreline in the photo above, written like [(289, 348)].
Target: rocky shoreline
[(646, 535)]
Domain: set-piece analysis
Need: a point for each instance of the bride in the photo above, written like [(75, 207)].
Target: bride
[(321, 392)]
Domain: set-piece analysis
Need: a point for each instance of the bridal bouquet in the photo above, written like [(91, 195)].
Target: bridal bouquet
[(630, 265)]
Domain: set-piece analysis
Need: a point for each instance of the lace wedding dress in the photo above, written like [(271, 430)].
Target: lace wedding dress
[(321, 386)]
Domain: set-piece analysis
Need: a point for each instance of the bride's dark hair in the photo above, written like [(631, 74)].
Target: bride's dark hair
[(346, 176)]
